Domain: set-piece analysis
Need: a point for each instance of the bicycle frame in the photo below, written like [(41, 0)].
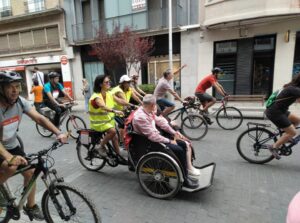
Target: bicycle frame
[(179, 112)]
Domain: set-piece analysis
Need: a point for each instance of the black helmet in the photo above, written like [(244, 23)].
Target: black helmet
[(9, 76), (217, 70), (53, 75)]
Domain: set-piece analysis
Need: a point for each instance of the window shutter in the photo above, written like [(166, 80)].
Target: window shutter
[(14, 42), (26, 40), (39, 39), (53, 37), (3, 44)]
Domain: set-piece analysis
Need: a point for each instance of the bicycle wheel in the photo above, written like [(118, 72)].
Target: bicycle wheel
[(251, 145), (67, 203), (89, 159), (75, 123), (4, 214), (42, 131), (158, 176), (194, 127), (229, 118)]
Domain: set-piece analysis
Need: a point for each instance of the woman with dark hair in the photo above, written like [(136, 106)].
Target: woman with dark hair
[(278, 112), (101, 114)]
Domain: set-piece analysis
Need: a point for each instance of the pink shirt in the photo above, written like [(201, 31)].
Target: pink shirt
[(144, 123), (293, 215)]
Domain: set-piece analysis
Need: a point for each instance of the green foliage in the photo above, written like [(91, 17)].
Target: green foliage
[(148, 88)]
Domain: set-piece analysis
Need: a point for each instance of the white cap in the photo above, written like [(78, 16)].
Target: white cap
[(124, 78)]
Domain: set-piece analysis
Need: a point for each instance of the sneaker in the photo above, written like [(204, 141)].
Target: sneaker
[(35, 212), (273, 151), (102, 151), (208, 120), (194, 172), (122, 161), (190, 183)]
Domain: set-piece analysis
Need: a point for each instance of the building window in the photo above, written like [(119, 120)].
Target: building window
[(296, 67), (30, 40), (35, 5), (5, 8)]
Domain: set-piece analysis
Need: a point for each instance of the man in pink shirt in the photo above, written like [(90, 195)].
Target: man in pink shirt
[(293, 215), (145, 121)]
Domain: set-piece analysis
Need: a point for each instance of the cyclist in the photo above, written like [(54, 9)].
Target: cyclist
[(210, 80), (162, 88), (122, 95), (12, 107), (52, 90), (134, 86), (279, 114), (101, 114), (145, 121)]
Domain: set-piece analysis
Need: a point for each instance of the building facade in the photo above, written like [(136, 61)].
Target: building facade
[(32, 34), (256, 42)]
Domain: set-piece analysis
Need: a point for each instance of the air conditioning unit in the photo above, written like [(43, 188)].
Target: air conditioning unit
[(5, 13)]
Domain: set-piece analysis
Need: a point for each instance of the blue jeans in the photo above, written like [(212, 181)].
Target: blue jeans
[(163, 103)]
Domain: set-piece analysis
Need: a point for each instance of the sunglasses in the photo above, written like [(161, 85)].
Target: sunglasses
[(106, 82)]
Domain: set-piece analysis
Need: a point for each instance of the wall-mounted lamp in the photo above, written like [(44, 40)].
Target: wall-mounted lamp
[(287, 36)]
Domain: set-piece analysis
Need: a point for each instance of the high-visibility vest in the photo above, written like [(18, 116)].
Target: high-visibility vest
[(127, 96), (100, 119)]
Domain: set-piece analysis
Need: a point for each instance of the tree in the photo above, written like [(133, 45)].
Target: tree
[(122, 48)]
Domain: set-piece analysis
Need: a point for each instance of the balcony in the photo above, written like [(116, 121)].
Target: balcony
[(222, 12), (5, 11)]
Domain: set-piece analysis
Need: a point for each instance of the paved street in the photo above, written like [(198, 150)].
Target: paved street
[(241, 192)]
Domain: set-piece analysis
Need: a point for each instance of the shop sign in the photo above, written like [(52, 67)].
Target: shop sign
[(138, 5), (23, 61), (64, 60), (68, 87), (18, 68)]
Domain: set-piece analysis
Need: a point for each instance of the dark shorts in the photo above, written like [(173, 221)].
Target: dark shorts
[(280, 119), (17, 151), (204, 97), (120, 121), (163, 103)]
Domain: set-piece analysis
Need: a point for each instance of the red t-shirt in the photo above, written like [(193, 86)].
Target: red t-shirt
[(206, 83)]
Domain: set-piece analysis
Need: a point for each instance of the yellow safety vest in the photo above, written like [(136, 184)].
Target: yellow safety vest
[(100, 119), (127, 96)]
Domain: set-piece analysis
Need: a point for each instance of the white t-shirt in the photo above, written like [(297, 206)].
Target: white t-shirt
[(162, 87), (10, 120), (40, 77)]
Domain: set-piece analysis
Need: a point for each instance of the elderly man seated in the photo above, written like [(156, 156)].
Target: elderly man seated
[(145, 121)]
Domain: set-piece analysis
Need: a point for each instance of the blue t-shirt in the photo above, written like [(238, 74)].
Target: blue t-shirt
[(54, 91)]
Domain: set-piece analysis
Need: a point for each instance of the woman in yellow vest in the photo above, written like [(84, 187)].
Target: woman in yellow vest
[(122, 95), (101, 113)]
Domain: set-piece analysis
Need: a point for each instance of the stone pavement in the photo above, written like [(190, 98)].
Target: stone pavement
[(241, 192)]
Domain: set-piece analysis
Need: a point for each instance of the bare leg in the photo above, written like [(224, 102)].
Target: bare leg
[(189, 157), (31, 198), (6, 171), (209, 104), (115, 143), (167, 110), (110, 134)]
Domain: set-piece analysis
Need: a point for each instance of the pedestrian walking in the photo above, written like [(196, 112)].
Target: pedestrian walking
[(86, 91), (38, 75), (37, 90)]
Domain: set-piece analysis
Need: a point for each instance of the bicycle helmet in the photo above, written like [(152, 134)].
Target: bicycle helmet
[(9, 76), (53, 75), (217, 70)]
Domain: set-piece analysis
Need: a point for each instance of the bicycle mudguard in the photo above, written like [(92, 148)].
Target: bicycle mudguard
[(205, 179), (256, 124)]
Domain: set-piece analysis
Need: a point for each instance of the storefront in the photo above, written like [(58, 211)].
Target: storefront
[(46, 64)]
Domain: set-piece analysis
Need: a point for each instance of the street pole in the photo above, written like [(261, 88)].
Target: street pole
[(170, 37)]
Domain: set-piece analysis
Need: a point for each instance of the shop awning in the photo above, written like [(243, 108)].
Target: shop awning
[(17, 68)]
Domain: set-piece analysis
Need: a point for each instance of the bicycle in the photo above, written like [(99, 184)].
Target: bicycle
[(227, 117), (251, 144), (73, 123), (60, 201), (189, 122)]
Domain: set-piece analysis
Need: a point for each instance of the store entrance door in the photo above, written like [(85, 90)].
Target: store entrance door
[(263, 64)]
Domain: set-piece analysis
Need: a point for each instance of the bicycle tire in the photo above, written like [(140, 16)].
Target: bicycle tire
[(230, 113), (42, 131), (63, 191), (256, 134), (83, 158), (4, 214), (73, 124), (196, 124)]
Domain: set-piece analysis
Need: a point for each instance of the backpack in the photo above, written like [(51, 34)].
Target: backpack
[(128, 129), (272, 98)]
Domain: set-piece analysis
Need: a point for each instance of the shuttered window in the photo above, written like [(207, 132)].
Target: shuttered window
[(3, 44), (31, 40), (52, 37), (14, 42), (39, 37), (26, 40)]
